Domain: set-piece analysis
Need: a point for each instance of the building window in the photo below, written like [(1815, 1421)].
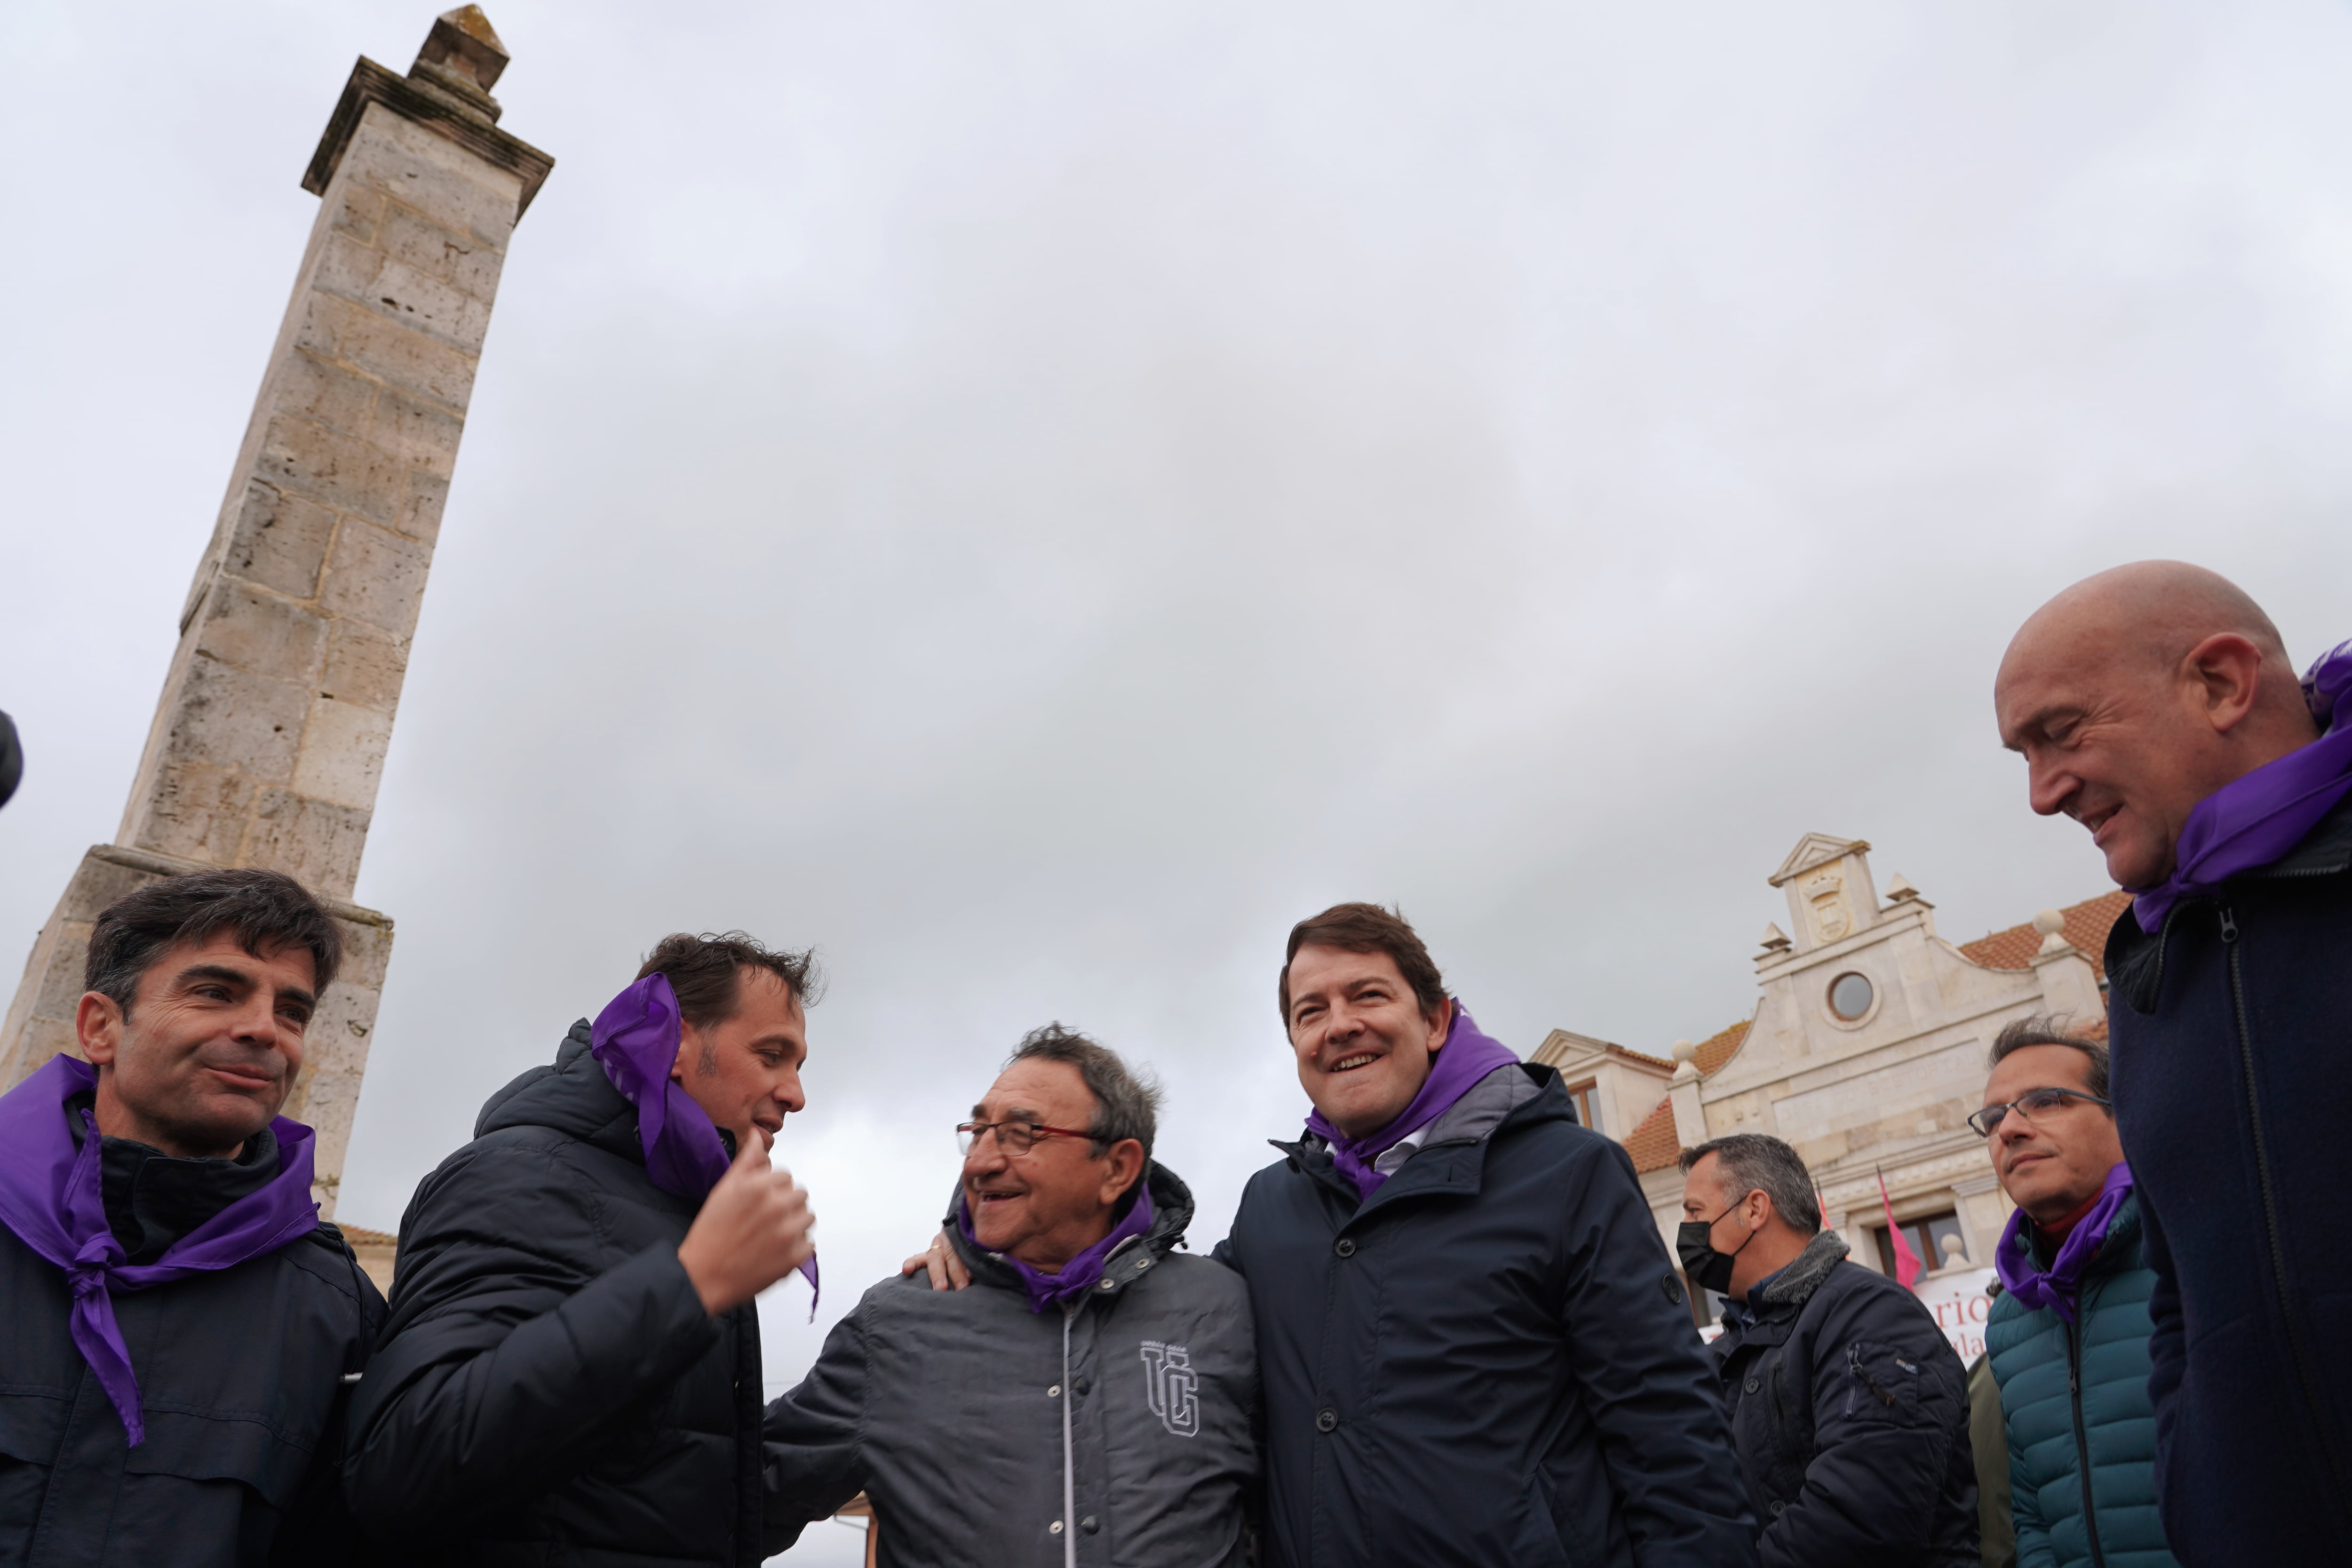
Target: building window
[(1927, 1236), (1587, 1099), (1851, 995)]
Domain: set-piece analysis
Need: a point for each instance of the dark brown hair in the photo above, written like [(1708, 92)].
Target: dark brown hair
[(1368, 928), (2044, 1030), (263, 910), (707, 971)]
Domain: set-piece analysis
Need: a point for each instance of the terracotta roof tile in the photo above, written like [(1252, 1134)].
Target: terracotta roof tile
[(1720, 1048), (2086, 927), (359, 1236), (1654, 1144)]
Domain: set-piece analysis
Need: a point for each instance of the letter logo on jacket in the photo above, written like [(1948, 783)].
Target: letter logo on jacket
[(1169, 1384)]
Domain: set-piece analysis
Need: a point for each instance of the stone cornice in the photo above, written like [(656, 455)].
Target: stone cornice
[(149, 863), (441, 113)]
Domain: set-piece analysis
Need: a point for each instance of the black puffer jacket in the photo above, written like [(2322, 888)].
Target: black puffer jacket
[(549, 1389), (240, 1381), (2231, 1031), (1851, 1412), (1490, 1359)]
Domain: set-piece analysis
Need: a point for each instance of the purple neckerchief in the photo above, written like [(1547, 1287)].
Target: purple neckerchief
[(635, 1040), (2251, 821), (2057, 1287), (1466, 1056), (1081, 1274), (49, 1196)]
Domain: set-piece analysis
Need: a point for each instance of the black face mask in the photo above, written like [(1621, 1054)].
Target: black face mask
[(1708, 1268)]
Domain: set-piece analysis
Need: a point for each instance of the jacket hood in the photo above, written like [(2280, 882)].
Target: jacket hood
[(573, 1096), (1172, 1211)]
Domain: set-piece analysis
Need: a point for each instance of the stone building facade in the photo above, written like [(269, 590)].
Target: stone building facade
[(269, 738), (1867, 1052)]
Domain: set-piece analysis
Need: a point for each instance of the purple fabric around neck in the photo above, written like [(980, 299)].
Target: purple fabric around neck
[(2058, 1286), (1467, 1055), (49, 1196), (2251, 821), (1081, 1274), (634, 1040)]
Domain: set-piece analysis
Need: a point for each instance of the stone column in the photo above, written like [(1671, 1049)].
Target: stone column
[(269, 738)]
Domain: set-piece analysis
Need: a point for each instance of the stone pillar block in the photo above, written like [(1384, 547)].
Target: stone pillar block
[(269, 740)]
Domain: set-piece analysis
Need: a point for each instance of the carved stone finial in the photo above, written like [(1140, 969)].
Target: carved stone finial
[(1900, 891), (2053, 927), (1774, 939), (461, 58)]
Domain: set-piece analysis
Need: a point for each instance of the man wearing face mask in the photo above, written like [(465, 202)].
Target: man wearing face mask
[(1849, 1408)]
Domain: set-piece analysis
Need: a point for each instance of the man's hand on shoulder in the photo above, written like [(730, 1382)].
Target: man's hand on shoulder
[(946, 1270), (752, 1231)]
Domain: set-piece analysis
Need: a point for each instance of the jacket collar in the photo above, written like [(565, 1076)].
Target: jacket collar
[(1767, 1319), (1172, 1206), (1452, 1158), (2134, 958)]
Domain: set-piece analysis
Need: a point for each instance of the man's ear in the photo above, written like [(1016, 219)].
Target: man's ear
[(1126, 1159), (97, 1027), (686, 1042), (1759, 1209), (1441, 1026), (2224, 671)]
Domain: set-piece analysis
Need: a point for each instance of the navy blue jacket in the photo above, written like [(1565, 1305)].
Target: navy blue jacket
[(1490, 1359), (2232, 1041)]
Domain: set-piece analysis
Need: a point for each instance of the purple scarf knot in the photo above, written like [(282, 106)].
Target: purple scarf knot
[(635, 1040), (50, 1196), (1081, 1275), (1464, 1058), (2251, 821), (2058, 1286)]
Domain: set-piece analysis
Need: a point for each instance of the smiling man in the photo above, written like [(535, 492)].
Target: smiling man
[(164, 1274), (2068, 1337), (1474, 1349), (1089, 1399), (571, 1374), (2155, 704)]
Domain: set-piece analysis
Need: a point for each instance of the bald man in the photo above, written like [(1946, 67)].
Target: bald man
[(2155, 705)]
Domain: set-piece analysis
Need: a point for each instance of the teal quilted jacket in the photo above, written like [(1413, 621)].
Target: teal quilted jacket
[(2076, 1401)]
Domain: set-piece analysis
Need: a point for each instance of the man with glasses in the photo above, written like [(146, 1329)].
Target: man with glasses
[(1848, 1405), (1091, 1399), (2068, 1337)]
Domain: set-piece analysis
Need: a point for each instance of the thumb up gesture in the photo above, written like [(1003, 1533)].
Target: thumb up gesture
[(752, 1231)]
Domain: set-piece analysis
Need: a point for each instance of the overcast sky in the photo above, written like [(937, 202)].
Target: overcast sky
[(1035, 499)]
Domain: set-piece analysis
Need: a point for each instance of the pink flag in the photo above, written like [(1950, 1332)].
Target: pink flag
[(1907, 1262)]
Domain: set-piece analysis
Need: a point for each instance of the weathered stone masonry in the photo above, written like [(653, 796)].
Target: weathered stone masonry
[(269, 738)]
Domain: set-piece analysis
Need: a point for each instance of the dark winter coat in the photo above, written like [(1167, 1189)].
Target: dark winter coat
[(2075, 1396), (549, 1389), (1121, 1431), (240, 1381), (1851, 1412), (2231, 1031), (1490, 1359)]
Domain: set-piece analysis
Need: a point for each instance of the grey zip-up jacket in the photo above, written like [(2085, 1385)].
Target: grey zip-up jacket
[(1116, 1434)]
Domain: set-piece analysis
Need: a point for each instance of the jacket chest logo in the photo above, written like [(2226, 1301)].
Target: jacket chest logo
[(1171, 1387)]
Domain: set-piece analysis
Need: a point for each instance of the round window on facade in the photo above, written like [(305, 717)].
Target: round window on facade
[(1850, 997)]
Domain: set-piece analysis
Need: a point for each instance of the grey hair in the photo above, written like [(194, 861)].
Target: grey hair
[(1756, 1162), (2041, 1029), (1125, 1105)]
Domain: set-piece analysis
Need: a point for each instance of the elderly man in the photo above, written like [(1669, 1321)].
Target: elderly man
[(1848, 1405), (2155, 705), (2068, 1336), (180, 1328), (1090, 1402), (571, 1374), (1474, 1349)]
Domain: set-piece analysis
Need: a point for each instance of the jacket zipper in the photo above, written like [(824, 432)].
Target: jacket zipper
[(1070, 1477), (2270, 1200), (2082, 1436)]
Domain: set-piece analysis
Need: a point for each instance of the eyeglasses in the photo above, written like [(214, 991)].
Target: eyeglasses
[(1016, 1138), (2030, 1104)]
